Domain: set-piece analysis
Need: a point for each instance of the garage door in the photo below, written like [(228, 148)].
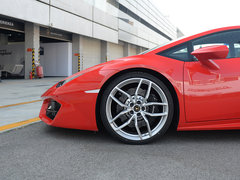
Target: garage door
[(91, 52), (115, 51)]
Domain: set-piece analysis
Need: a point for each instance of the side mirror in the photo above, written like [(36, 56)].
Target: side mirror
[(206, 55)]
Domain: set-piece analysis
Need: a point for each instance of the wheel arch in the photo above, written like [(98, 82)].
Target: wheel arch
[(149, 71)]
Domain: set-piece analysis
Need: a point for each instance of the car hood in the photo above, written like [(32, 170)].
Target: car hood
[(110, 65)]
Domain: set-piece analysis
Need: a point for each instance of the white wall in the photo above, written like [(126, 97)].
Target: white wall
[(76, 16), (17, 54), (94, 18), (28, 10), (57, 59)]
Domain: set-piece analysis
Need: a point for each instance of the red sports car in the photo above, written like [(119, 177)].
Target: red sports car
[(193, 82)]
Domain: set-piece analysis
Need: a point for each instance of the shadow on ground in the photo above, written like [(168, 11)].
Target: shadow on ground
[(171, 135)]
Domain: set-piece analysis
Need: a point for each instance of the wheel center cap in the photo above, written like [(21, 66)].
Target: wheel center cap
[(136, 108)]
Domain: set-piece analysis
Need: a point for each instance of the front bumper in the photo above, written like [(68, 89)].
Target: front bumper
[(77, 99), (76, 110)]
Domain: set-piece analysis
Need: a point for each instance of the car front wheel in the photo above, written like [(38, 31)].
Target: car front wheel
[(136, 108)]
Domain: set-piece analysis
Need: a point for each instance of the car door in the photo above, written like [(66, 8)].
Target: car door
[(212, 95)]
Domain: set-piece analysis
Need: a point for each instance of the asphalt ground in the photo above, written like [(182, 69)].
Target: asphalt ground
[(39, 151)]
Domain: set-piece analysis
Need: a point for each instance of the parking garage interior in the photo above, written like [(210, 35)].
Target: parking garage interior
[(11, 49), (55, 50)]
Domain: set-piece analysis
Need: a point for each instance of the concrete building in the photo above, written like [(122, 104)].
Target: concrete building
[(68, 36)]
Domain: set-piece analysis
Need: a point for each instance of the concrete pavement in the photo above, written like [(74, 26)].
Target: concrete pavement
[(20, 100), (18, 113), (21, 90)]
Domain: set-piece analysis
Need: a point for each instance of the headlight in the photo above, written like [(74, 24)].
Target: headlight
[(61, 83)]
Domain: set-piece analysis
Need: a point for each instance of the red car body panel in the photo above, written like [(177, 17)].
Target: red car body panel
[(78, 108), (212, 95), (208, 99)]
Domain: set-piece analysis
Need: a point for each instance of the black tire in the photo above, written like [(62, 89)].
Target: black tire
[(123, 78)]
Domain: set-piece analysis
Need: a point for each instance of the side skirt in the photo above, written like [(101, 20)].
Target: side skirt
[(230, 124)]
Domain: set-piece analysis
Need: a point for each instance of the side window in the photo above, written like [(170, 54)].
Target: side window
[(198, 46), (178, 52), (229, 38), (237, 49)]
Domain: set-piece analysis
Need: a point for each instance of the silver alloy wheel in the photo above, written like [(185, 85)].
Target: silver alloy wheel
[(137, 109)]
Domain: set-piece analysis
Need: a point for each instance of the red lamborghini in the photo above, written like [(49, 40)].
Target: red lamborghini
[(193, 82)]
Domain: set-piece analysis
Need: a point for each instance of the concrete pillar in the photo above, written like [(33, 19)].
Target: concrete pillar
[(77, 52), (139, 49), (32, 41), (126, 49), (3, 39), (105, 51)]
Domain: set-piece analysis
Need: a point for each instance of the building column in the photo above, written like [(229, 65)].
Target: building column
[(126, 49), (32, 41), (77, 57), (3, 39), (139, 49), (105, 51)]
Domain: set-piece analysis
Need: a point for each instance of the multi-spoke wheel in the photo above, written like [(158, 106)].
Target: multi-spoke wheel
[(136, 107)]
